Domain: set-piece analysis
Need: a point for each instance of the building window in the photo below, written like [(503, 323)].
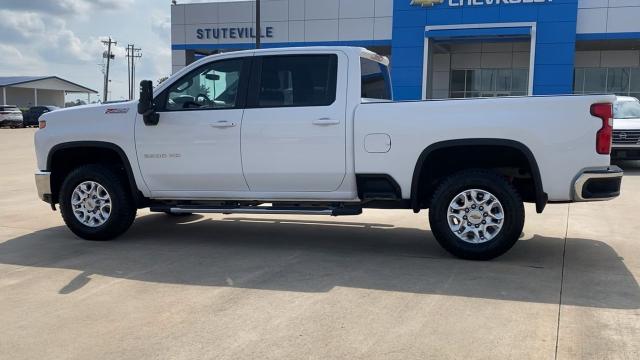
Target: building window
[(619, 81), (470, 83)]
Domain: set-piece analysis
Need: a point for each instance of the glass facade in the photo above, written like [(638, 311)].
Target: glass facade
[(624, 81), (469, 83)]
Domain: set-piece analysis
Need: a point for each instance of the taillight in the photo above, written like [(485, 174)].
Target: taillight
[(605, 135), (42, 124)]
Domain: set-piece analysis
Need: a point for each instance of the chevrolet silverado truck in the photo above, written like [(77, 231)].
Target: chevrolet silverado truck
[(314, 131), (626, 129)]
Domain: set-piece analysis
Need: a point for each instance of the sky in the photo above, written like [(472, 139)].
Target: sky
[(63, 38)]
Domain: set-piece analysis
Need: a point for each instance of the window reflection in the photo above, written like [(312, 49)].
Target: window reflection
[(469, 83), (619, 81)]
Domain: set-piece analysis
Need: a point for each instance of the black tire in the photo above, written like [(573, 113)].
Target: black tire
[(484, 180), (123, 211)]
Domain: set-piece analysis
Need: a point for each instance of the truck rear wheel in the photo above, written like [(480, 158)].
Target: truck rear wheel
[(95, 203), (476, 215)]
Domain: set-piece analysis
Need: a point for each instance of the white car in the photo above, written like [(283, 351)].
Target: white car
[(626, 129), (314, 131), (10, 116)]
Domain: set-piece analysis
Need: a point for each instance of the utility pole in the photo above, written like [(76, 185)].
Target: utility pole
[(258, 25), (133, 53), (109, 56)]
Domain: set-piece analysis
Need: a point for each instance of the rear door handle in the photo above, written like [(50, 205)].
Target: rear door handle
[(326, 121), (223, 124)]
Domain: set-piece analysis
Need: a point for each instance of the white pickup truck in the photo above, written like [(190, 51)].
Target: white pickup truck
[(314, 131)]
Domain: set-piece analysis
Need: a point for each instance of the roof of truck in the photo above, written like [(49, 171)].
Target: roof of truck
[(354, 50)]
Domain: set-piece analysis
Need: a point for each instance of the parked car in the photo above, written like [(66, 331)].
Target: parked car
[(626, 129), (313, 131), (10, 116), (32, 115)]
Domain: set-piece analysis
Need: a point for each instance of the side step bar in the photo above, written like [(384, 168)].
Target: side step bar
[(281, 210)]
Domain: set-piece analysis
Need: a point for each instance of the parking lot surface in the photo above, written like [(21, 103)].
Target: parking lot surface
[(376, 286)]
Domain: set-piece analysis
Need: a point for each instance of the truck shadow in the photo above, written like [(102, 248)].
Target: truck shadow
[(318, 256)]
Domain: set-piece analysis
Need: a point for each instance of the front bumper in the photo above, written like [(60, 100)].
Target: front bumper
[(11, 122), (43, 184), (598, 184), (625, 152)]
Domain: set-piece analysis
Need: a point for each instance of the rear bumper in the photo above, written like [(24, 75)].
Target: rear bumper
[(43, 184), (598, 184)]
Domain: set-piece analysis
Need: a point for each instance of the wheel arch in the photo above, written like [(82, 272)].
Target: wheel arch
[(541, 197), (102, 147)]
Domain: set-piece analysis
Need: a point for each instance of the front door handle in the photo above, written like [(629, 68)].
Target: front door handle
[(223, 124), (326, 121)]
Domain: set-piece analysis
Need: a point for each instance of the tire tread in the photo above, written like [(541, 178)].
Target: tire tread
[(512, 203), (122, 215)]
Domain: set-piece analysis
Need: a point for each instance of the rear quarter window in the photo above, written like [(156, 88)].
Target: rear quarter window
[(375, 82)]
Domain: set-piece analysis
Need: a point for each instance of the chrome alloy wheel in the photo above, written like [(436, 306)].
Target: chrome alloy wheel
[(91, 203), (475, 216)]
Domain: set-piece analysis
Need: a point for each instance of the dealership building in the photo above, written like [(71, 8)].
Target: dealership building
[(441, 48)]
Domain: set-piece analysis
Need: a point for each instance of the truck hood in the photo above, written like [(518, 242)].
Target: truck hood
[(626, 124), (92, 112)]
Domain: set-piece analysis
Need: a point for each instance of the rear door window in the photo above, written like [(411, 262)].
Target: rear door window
[(296, 80)]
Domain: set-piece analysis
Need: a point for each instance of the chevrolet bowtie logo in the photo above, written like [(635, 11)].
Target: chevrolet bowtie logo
[(426, 2)]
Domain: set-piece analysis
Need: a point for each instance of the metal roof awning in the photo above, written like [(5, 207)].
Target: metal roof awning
[(44, 83), (479, 33)]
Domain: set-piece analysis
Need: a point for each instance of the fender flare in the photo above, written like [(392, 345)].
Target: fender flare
[(541, 197), (135, 191)]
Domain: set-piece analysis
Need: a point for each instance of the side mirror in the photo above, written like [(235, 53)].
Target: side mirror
[(146, 107)]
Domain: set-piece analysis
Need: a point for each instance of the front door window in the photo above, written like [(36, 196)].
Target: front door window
[(210, 87)]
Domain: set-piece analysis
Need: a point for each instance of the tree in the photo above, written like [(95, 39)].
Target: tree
[(78, 102)]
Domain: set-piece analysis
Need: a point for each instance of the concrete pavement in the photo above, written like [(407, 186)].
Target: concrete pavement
[(375, 286)]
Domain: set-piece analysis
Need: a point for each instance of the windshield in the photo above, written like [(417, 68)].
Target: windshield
[(626, 110)]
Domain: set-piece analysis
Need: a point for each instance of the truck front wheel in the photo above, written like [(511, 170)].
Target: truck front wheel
[(95, 203), (476, 215)]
